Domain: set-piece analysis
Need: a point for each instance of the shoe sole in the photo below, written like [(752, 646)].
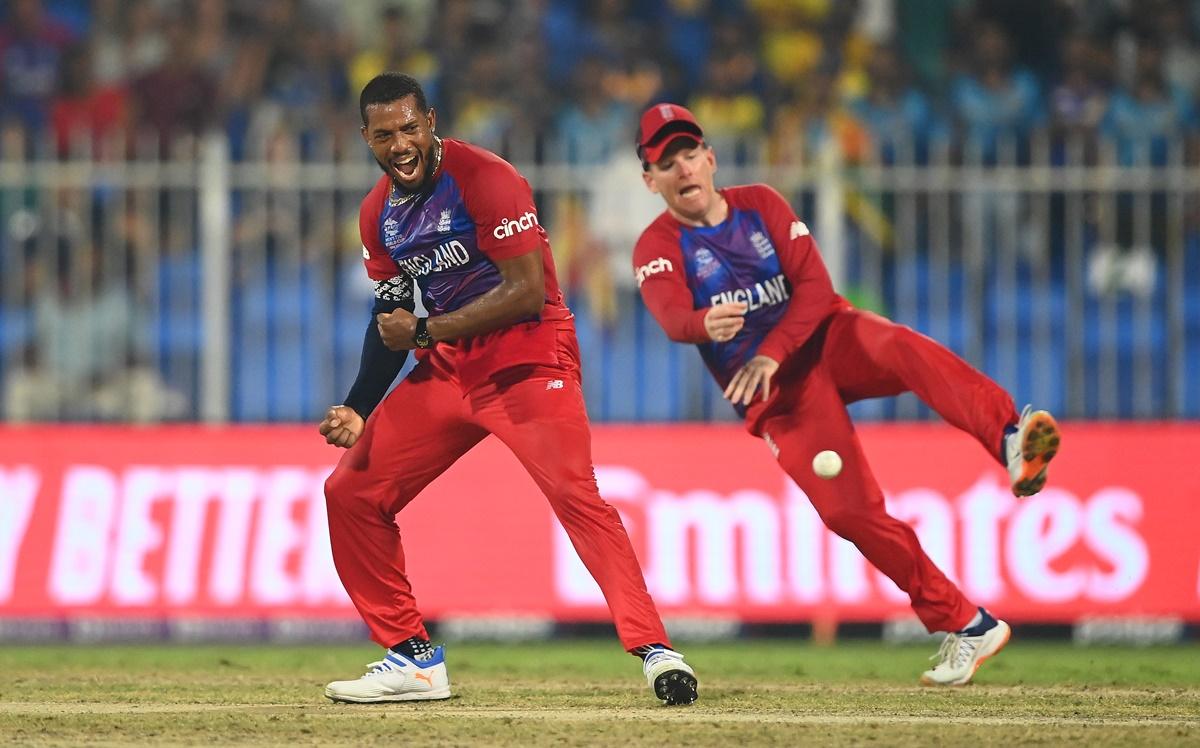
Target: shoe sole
[(441, 693), (1006, 630), (1039, 447), (676, 687)]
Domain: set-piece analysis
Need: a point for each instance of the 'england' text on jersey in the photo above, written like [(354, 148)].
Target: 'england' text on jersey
[(767, 293), (445, 256)]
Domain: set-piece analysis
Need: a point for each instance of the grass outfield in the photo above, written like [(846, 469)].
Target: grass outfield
[(590, 693)]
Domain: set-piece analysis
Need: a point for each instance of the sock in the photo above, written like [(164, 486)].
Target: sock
[(1009, 430), (415, 648), (979, 625), (646, 649)]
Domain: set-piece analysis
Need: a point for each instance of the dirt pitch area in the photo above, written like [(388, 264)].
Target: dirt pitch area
[(589, 693)]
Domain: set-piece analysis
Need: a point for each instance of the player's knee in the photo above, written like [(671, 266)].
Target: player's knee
[(340, 486), (353, 493), (886, 340)]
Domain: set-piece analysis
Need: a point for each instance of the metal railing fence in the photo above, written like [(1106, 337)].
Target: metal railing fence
[(200, 287)]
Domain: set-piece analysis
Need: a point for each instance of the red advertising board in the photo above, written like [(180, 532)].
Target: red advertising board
[(230, 522)]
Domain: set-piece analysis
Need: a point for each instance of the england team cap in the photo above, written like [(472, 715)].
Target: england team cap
[(663, 124)]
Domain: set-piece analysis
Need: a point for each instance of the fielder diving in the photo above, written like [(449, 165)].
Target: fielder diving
[(737, 273)]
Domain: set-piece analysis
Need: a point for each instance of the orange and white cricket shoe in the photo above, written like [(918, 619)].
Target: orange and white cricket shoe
[(1030, 449), (396, 677), (963, 652)]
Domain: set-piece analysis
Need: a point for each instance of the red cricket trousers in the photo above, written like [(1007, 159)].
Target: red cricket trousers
[(427, 423), (858, 355)]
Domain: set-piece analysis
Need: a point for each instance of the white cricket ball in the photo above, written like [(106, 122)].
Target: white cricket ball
[(827, 464)]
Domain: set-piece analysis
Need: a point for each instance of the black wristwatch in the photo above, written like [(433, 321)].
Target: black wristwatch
[(421, 337)]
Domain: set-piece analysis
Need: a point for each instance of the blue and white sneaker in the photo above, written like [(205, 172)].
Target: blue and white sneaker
[(963, 652), (671, 679), (396, 678)]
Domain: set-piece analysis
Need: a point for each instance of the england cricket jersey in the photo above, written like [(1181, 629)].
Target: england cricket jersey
[(476, 211), (761, 255)]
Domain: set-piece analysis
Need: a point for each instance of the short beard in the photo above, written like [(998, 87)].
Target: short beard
[(426, 157)]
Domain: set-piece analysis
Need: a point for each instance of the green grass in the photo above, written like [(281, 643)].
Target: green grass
[(590, 693)]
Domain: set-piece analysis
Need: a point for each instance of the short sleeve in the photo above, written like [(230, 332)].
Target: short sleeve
[(813, 297), (500, 202)]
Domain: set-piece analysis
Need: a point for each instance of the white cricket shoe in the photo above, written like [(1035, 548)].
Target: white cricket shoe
[(961, 655), (1030, 450), (396, 678), (671, 679)]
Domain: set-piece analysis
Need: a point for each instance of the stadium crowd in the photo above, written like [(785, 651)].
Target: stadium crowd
[(562, 80), (543, 82)]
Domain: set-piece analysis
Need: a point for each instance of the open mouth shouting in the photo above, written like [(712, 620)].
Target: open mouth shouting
[(408, 170)]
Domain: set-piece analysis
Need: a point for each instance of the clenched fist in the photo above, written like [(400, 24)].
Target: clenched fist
[(342, 426), (396, 329)]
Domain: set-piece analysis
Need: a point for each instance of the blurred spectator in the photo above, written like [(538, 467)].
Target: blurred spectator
[(729, 103), (178, 97), (399, 47), (758, 67), (1145, 117), (731, 100), (561, 27), (640, 83), (594, 128), (86, 115), (1034, 28), (534, 97), (213, 45), (808, 118), (105, 35), (792, 44), (484, 115), (895, 114), (595, 123), (613, 30), (1080, 100), (686, 27), (560, 81), (127, 39), (923, 34), (461, 34), (89, 362), (308, 87), (31, 45), (995, 101), (1177, 35)]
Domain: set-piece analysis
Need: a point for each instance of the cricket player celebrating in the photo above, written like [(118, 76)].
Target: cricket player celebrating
[(496, 355), (737, 273)]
